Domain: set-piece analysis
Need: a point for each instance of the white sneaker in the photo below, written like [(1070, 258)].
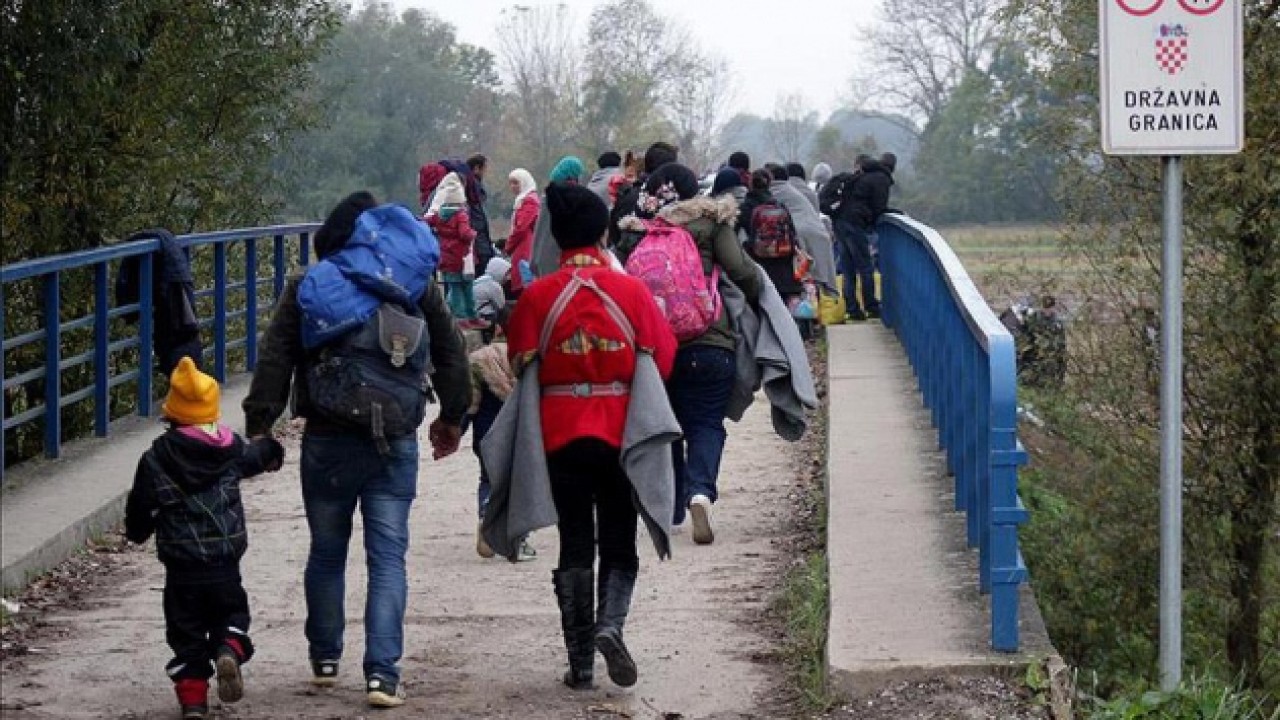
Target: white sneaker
[(384, 693), (700, 514), (526, 553)]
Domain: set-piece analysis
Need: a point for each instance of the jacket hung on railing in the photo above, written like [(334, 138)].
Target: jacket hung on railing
[(390, 258), (770, 354), (175, 329)]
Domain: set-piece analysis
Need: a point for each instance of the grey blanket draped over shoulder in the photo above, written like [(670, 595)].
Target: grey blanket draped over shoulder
[(546, 253), (521, 502), (771, 355), (814, 236)]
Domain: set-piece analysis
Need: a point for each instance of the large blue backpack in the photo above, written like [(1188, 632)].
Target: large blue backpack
[(368, 345)]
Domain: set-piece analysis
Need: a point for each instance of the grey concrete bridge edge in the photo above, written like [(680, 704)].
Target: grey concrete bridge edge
[(49, 509), (911, 609)]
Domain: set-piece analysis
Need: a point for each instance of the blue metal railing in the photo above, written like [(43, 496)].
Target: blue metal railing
[(963, 357), (48, 273)]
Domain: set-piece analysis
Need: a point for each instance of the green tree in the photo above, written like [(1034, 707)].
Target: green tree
[(159, 112), (984, 156), (395, 92)]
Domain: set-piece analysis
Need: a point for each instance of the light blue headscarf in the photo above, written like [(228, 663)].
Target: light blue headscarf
[(569, 168)]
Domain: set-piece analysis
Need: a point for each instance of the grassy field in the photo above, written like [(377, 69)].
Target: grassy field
[(1011, 260)]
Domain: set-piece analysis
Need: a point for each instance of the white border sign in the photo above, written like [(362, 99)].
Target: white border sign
[(1172, 76)]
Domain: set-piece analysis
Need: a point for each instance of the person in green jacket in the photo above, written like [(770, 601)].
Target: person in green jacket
[(705, 368)]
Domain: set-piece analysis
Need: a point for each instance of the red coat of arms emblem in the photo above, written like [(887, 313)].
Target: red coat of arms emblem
[(1172, 48)]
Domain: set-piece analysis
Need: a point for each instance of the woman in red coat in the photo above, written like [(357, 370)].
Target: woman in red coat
[(585, 373), (520, 242)]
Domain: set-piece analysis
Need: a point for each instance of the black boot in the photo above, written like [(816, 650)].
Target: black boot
[(614, 602), (577, 619)]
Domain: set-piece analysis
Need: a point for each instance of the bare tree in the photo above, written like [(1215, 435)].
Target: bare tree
[(698, 109), (922, 50), (636, 60), (538, 59), (792, 127)]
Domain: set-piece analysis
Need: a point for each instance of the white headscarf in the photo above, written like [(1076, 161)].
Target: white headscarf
[(448, 192), (527, 184)]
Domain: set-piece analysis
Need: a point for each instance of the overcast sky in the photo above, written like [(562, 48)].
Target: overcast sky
[(774, 46)]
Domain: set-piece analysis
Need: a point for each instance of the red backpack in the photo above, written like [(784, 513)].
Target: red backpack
[(773, 234)]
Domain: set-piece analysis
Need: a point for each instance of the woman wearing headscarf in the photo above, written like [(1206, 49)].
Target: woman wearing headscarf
[(587, 339), (705, 370), (527, 207), (546, 254)]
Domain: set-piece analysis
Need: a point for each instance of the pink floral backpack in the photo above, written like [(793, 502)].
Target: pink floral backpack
[(668, 261)]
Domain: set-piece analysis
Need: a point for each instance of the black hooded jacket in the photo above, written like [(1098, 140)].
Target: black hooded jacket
[(868, 196), (187, 492)]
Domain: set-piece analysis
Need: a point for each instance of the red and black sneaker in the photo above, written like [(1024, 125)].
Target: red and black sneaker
[(193, 697)]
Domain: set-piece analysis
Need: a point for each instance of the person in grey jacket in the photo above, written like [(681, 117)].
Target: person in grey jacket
[(795, 176), (610, 166)]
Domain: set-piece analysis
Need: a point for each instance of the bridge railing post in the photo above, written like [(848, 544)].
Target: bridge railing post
[(220, 312), (101, 350), (250, 303), (51, 299), (145, 293)]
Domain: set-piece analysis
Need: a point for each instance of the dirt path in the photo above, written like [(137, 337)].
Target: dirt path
[(482, 637)]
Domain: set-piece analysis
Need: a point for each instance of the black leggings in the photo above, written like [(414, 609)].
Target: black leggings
[(199, 618), (586, 475)]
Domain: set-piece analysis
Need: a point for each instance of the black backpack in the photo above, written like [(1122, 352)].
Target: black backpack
[(375, 378), (835, 192)]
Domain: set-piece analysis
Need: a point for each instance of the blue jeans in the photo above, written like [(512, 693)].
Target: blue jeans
[(854, 247), (340, 472), (699, 388)]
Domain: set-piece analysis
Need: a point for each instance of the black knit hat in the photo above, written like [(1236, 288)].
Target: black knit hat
[(740, 161), (578, 216), (680, 177), (727, 179), (795, 170), (610, 159), (337, 228)]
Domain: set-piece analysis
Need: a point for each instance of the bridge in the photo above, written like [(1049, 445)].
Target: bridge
[(920, 474)]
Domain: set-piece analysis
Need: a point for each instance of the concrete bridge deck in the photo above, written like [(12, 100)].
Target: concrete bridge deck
[(483, 636)]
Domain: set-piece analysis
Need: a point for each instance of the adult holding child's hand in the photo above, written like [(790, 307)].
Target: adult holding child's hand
[(361, 350)]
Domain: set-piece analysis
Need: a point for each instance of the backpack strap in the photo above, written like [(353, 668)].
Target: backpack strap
[(576, 283)]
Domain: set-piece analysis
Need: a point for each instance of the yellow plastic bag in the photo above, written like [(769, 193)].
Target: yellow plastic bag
[(831, 308)]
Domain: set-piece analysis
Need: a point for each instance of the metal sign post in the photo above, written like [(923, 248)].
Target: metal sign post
[(1171, 429), (1172, 85)]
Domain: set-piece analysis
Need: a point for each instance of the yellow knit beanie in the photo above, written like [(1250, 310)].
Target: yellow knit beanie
[(193, 396)]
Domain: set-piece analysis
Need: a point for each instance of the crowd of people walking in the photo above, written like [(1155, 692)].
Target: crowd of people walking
[(595, 356)]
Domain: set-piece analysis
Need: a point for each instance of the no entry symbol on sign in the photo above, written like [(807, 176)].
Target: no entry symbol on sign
[(1143, 8), (1201, 7)]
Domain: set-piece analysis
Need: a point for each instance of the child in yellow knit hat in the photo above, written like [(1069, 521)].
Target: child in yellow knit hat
[(187, 491)]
